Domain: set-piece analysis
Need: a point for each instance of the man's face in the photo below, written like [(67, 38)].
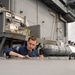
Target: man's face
[(31, 44)]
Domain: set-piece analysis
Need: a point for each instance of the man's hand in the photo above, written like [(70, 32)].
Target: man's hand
[(20, 56), (26, 57), (41, 56)]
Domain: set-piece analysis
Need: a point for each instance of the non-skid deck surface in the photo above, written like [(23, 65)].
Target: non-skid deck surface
[(37, 66)]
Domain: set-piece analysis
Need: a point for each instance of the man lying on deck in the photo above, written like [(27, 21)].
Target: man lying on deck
[(22, 51)]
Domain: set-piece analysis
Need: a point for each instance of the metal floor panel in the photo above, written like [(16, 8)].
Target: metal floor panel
[(37, 67)]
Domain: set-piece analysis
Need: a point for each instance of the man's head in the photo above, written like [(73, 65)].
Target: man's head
[(31, 43)]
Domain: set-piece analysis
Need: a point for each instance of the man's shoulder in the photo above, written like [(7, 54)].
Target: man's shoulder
[(35, 50)]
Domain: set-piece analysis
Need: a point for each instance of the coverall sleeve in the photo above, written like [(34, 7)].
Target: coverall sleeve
[(14, 49)]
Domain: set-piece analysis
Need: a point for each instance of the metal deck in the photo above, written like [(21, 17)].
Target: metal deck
[(37, 66)]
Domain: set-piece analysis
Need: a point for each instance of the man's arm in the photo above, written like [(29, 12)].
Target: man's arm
[(13, 52), (16, 54)]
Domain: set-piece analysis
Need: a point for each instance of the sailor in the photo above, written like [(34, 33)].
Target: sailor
[(22, 51)]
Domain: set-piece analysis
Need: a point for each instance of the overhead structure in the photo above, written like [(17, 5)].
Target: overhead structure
[(71, 3), (61, 7)]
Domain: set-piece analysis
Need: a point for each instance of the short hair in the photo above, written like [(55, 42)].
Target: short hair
[(32, 38)]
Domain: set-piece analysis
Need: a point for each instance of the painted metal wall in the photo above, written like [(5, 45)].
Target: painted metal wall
[(5, 3), (37, 13)]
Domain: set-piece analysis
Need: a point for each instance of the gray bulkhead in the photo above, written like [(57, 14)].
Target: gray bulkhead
[(38, 13)]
